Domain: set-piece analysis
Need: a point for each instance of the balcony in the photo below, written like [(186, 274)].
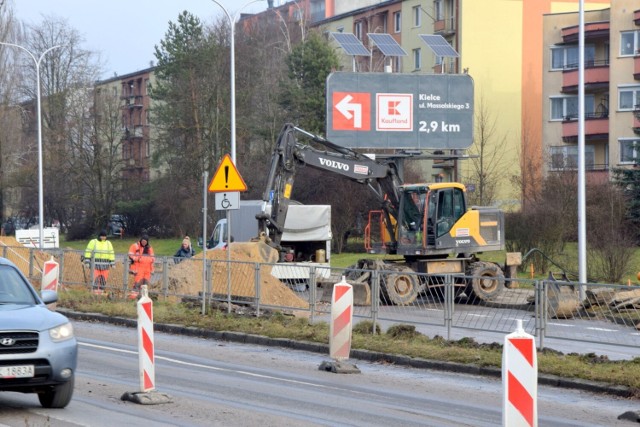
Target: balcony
[(596, 77), (133, 101), (445, 27), (134, 132), (636, 120), (592, 31), (596, 127), (636, 66)]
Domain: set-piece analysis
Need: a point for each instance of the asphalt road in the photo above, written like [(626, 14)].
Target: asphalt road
[(213, 382)]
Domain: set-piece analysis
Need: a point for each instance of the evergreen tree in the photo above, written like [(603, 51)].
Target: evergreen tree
[(304, 95)]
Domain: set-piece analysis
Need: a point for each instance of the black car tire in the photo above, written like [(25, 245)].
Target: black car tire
[(59, 396)]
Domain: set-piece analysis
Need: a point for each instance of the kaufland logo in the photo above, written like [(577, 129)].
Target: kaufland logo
[(394, 112)]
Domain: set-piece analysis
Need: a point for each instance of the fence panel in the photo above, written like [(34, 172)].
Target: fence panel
[(610, 314)]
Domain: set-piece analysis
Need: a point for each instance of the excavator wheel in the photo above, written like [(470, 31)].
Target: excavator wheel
[(487, 282), (401, 288)]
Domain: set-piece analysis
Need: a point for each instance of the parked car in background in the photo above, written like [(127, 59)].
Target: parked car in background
[(116, 225), (38, 350)]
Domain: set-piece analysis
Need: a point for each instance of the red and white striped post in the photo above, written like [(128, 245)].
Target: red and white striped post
[(341, 319), (519, 380), (50, 274), (145, 342)]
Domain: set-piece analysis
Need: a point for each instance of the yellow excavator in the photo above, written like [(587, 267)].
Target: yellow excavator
[(428, 224)]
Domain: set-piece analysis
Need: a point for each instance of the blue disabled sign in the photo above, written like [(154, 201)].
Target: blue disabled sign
[(400, 111)]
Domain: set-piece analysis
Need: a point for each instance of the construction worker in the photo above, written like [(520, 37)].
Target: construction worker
[(101, 252), (142, 259)]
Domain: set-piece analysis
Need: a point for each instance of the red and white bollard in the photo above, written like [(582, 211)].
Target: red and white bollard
[(341, 319), (519, 379), (50, 274), (145, 342)]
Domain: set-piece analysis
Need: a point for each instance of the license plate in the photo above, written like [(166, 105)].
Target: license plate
[(23, 371)]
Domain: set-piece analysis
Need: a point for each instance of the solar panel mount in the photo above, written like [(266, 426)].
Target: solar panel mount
[(387, 44), (351, 45), (439, 45)]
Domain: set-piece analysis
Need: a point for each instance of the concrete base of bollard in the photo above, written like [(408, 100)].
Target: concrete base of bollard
[(630, 416), (147, 398), (339, 367)]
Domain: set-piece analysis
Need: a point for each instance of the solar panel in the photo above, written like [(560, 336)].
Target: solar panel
[(387, 44), (439, 45), (351, 45)]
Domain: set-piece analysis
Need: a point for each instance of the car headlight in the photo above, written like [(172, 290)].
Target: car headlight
[(61, 333)]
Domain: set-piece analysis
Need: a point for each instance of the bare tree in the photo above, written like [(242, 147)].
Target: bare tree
[(487, 165), (67, 76)]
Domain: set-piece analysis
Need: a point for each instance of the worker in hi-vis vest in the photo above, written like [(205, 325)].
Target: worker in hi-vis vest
[(100, 251)]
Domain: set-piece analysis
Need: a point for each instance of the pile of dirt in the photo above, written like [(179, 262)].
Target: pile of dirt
[(15, 252), (186, 277)]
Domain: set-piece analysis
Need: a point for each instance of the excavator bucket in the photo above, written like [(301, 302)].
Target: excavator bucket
[(563, 299), (257, 250), (361, 291)]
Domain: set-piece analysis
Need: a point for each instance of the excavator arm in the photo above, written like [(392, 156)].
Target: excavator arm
[(381, 177)]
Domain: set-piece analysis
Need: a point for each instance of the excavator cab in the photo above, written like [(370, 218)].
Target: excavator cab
[(427, 214)]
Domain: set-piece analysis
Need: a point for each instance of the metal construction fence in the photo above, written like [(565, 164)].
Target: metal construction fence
[(592, 313)]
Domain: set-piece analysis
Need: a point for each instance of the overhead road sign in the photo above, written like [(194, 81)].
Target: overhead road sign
[(387, 44), (400, 111), (227, 178), (439, 45), (351, 45)]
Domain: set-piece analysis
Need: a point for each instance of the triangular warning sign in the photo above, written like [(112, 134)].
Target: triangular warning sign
[(227, 178)]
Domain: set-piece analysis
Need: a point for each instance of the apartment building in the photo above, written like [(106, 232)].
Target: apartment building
[(132, 93), (500, 45), (612, 89)]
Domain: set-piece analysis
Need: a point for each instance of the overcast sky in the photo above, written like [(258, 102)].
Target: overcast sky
[(126, 31)]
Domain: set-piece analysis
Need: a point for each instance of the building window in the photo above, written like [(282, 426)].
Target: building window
[(566, 57), (566, 107), (416, 59), (566, 157), (397, 22), (629, 43), (416, 16), (357, 30), (628, 98), (438, 10), (437, 60), (629, 150), (396, 64)]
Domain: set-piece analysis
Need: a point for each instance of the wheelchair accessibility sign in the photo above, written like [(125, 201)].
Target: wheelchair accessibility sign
[(227, 201)]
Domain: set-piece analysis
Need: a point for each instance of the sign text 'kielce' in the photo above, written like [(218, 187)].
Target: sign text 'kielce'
[(400, 111)]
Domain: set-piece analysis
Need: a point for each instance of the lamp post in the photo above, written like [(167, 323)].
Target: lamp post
[(232, 22), (40, 185)]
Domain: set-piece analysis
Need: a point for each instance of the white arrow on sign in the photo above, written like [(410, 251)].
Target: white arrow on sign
[(346, 107)]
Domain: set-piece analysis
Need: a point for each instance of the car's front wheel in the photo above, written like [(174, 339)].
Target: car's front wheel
[(59, 396)]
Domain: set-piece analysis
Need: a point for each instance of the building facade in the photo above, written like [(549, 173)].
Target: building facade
[(612, 89)]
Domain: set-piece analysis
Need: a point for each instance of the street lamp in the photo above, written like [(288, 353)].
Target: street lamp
[(232, 22), (40, 186)]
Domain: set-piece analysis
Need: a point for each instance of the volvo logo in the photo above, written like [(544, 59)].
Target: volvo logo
[(7, 342)]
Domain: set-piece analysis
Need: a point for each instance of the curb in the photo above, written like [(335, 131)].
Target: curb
[(369, 356)]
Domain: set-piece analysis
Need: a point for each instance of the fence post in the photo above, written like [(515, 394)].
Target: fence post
[(31, 263), (165, 276), (539, 312), (256, 284), (375, 298), (312, 287), (448, 303)]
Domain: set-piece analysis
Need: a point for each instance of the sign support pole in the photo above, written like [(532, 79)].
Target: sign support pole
[(205, 175)]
